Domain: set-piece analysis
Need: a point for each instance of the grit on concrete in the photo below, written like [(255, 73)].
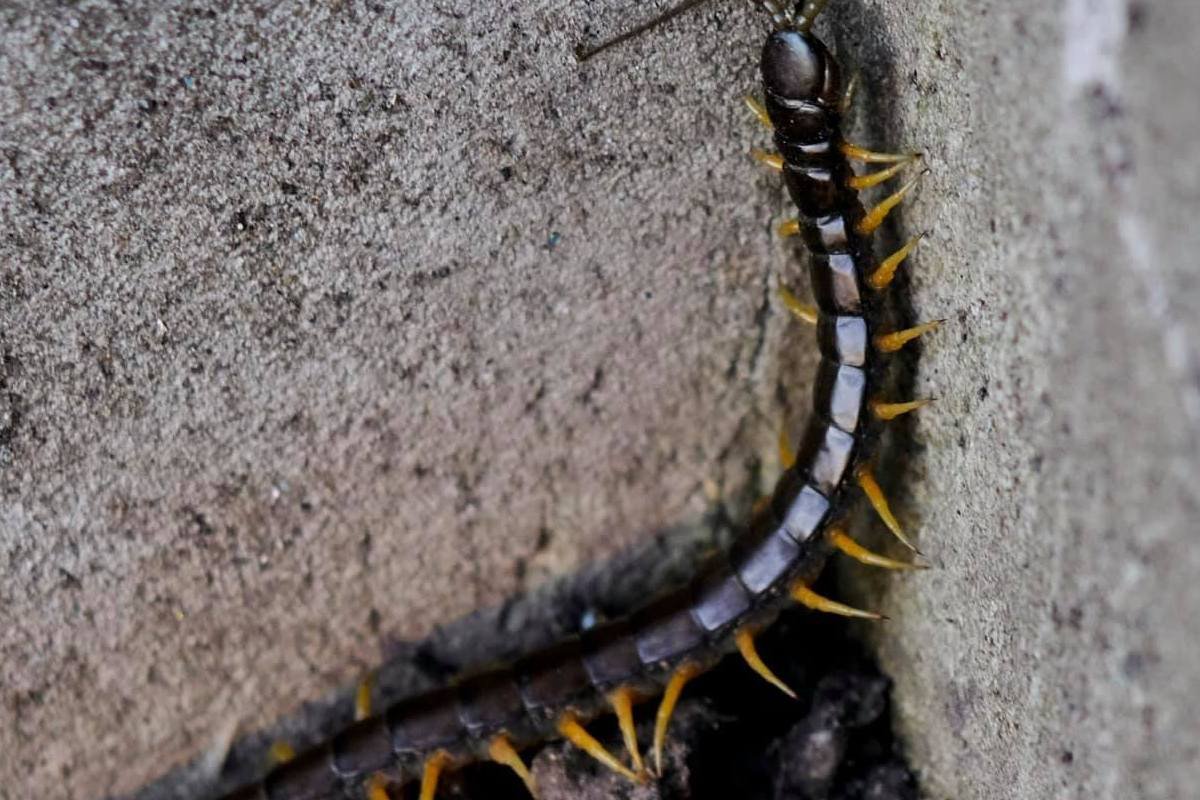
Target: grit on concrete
[(324, 324)]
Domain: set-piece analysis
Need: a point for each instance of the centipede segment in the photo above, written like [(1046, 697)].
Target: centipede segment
[(657, 651)]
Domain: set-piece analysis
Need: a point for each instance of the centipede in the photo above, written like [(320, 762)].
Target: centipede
[(498, 713)]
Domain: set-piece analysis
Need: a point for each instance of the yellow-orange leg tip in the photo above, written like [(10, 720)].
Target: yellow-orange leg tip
[(789, 227), (376, 788), (889, 411), (810, 599), (759, 111), (891, 342), (501, 750), (772, 160), (362, 698), (875, 496), (862, 154), (862, 555), (878, 214), (432, 772), (281, 752), (744, 639), (666, 708), (570, 729), (621, 700), (787, 453), (800, 310), (860, 182), (885, 272)]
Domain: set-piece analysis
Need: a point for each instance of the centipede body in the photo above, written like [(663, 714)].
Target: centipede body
[(553, 692)]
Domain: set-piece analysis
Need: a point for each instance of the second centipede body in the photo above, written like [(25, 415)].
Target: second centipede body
[(784, 546)]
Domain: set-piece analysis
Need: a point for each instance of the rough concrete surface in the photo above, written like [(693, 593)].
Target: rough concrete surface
[(324, 324)]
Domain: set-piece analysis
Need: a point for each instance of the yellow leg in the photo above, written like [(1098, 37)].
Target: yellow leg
[(745, 645), (889, 411), (772, 160), (856, 153), (787, 454), (376, 788), (801, 311), (281, 752), (433, 770), (667, 707), (874, 494), (882, 276), (842, 542), (576, 734), (810, 599), (759, 111), (501, 751), (891, 342), (878, 214), (860, 182), (789, 227), (621, 700), (362, 699)]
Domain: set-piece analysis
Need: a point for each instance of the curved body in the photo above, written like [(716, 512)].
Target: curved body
[(787, 542)]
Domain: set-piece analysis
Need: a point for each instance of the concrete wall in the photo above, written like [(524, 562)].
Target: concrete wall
[(325, 323)]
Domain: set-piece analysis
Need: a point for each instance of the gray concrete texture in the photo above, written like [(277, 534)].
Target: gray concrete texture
[(325, 324)]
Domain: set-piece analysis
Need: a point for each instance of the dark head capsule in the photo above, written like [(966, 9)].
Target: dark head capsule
[(798, 68), (803, 86)]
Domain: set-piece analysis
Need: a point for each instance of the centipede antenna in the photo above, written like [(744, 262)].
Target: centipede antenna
[(879, 502), (501, 750), (666, 708), (744, 639), (576, 734), (621, 700), (781, 15), (808, 16), (583, 53), (433, 770)]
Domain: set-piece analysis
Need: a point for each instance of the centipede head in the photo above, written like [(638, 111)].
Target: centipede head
[(798, 68), (803, 84)]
